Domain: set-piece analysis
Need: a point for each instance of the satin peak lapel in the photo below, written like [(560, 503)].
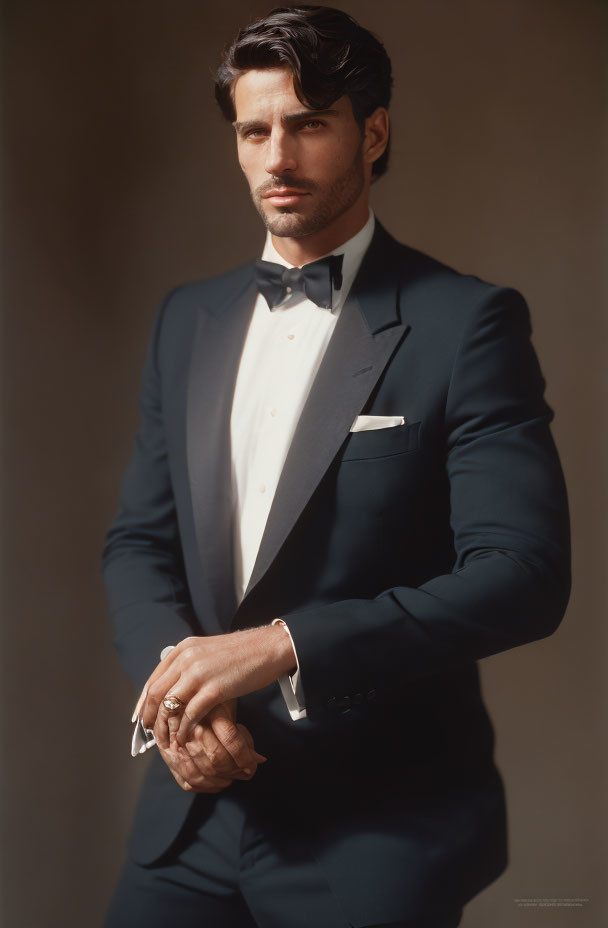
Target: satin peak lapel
[(218, 342)]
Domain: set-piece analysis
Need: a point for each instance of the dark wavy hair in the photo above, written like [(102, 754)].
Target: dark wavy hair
[(328, 53)]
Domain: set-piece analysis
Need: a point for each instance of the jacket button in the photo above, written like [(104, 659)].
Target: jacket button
[(332, 703), (371, 694), (346, 702), (357, 699)]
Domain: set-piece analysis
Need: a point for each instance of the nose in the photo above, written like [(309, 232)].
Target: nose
[(280, 153)]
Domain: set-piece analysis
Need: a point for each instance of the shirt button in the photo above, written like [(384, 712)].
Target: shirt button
[(287, 289), (262, 488), (273, 412), (291, 336)]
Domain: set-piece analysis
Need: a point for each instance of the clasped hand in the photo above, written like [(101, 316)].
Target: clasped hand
[(218, 751), (202, 743), (203, 672)]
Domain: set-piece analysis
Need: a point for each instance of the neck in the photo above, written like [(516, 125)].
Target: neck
[(299, 251)]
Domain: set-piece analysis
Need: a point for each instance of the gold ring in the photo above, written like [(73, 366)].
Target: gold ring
[(173, 703)]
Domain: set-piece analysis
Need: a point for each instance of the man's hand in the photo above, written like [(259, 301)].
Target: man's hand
[(204, 672), (218, 751)]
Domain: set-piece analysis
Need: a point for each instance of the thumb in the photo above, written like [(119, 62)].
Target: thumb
[(249, 741), (224, 710)]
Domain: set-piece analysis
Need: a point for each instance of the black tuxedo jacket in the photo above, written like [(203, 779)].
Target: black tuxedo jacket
[(398, 557)]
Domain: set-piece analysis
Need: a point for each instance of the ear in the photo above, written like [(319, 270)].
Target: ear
[(377, 130)]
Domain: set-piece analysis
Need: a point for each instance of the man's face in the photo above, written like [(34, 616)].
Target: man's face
[(305, 167)]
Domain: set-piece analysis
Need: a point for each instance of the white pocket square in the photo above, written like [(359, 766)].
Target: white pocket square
[(365, 423)]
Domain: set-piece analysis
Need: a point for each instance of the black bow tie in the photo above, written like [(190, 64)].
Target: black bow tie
[(317, 280)]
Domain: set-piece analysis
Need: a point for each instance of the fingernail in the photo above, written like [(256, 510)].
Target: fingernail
[(248, 771)]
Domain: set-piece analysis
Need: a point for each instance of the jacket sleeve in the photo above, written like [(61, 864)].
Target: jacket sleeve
[(142, 561), (511, 578)]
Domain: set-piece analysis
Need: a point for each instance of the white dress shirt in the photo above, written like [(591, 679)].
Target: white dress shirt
[(282, 353)]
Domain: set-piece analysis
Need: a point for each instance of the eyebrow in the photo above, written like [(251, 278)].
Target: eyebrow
[(288, 118)]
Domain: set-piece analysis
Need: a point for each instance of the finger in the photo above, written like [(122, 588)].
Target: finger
[(181, 764), (203, 785), (247, 774), (208, 753), (169, 657), (211, 757), (232, 740), (199, 705), (164, 654), (260, 758), (166, 725), (180, 780), (213, 784), (156, 693), (215, 758), (139, 703), (173, 722), (210, 772), (208, 765), (160, 669), (169, 668), (221, 759), (190, 778), (183, 783)]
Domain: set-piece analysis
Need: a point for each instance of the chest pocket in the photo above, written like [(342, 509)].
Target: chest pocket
[(381, 443)]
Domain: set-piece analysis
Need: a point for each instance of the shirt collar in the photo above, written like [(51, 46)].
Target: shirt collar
[(353, 251)]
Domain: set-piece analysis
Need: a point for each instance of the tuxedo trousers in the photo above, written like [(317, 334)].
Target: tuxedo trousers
[(233, 866)]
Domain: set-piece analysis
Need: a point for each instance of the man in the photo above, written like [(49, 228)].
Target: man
[(344, 481)]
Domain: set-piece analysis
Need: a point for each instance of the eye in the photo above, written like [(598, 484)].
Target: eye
[(312, 124), (254, 134)]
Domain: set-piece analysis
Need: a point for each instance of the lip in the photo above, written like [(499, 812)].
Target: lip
[(285, 192), (285, 196)]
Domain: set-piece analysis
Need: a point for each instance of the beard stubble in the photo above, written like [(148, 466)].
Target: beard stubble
[(337, 198)]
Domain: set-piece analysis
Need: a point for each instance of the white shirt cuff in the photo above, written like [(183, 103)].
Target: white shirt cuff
[(291, 684)]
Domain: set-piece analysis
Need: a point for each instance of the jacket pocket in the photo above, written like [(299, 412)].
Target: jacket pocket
[(380, 443)]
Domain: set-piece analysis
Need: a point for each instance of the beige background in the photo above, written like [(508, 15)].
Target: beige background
[(120, 181)]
